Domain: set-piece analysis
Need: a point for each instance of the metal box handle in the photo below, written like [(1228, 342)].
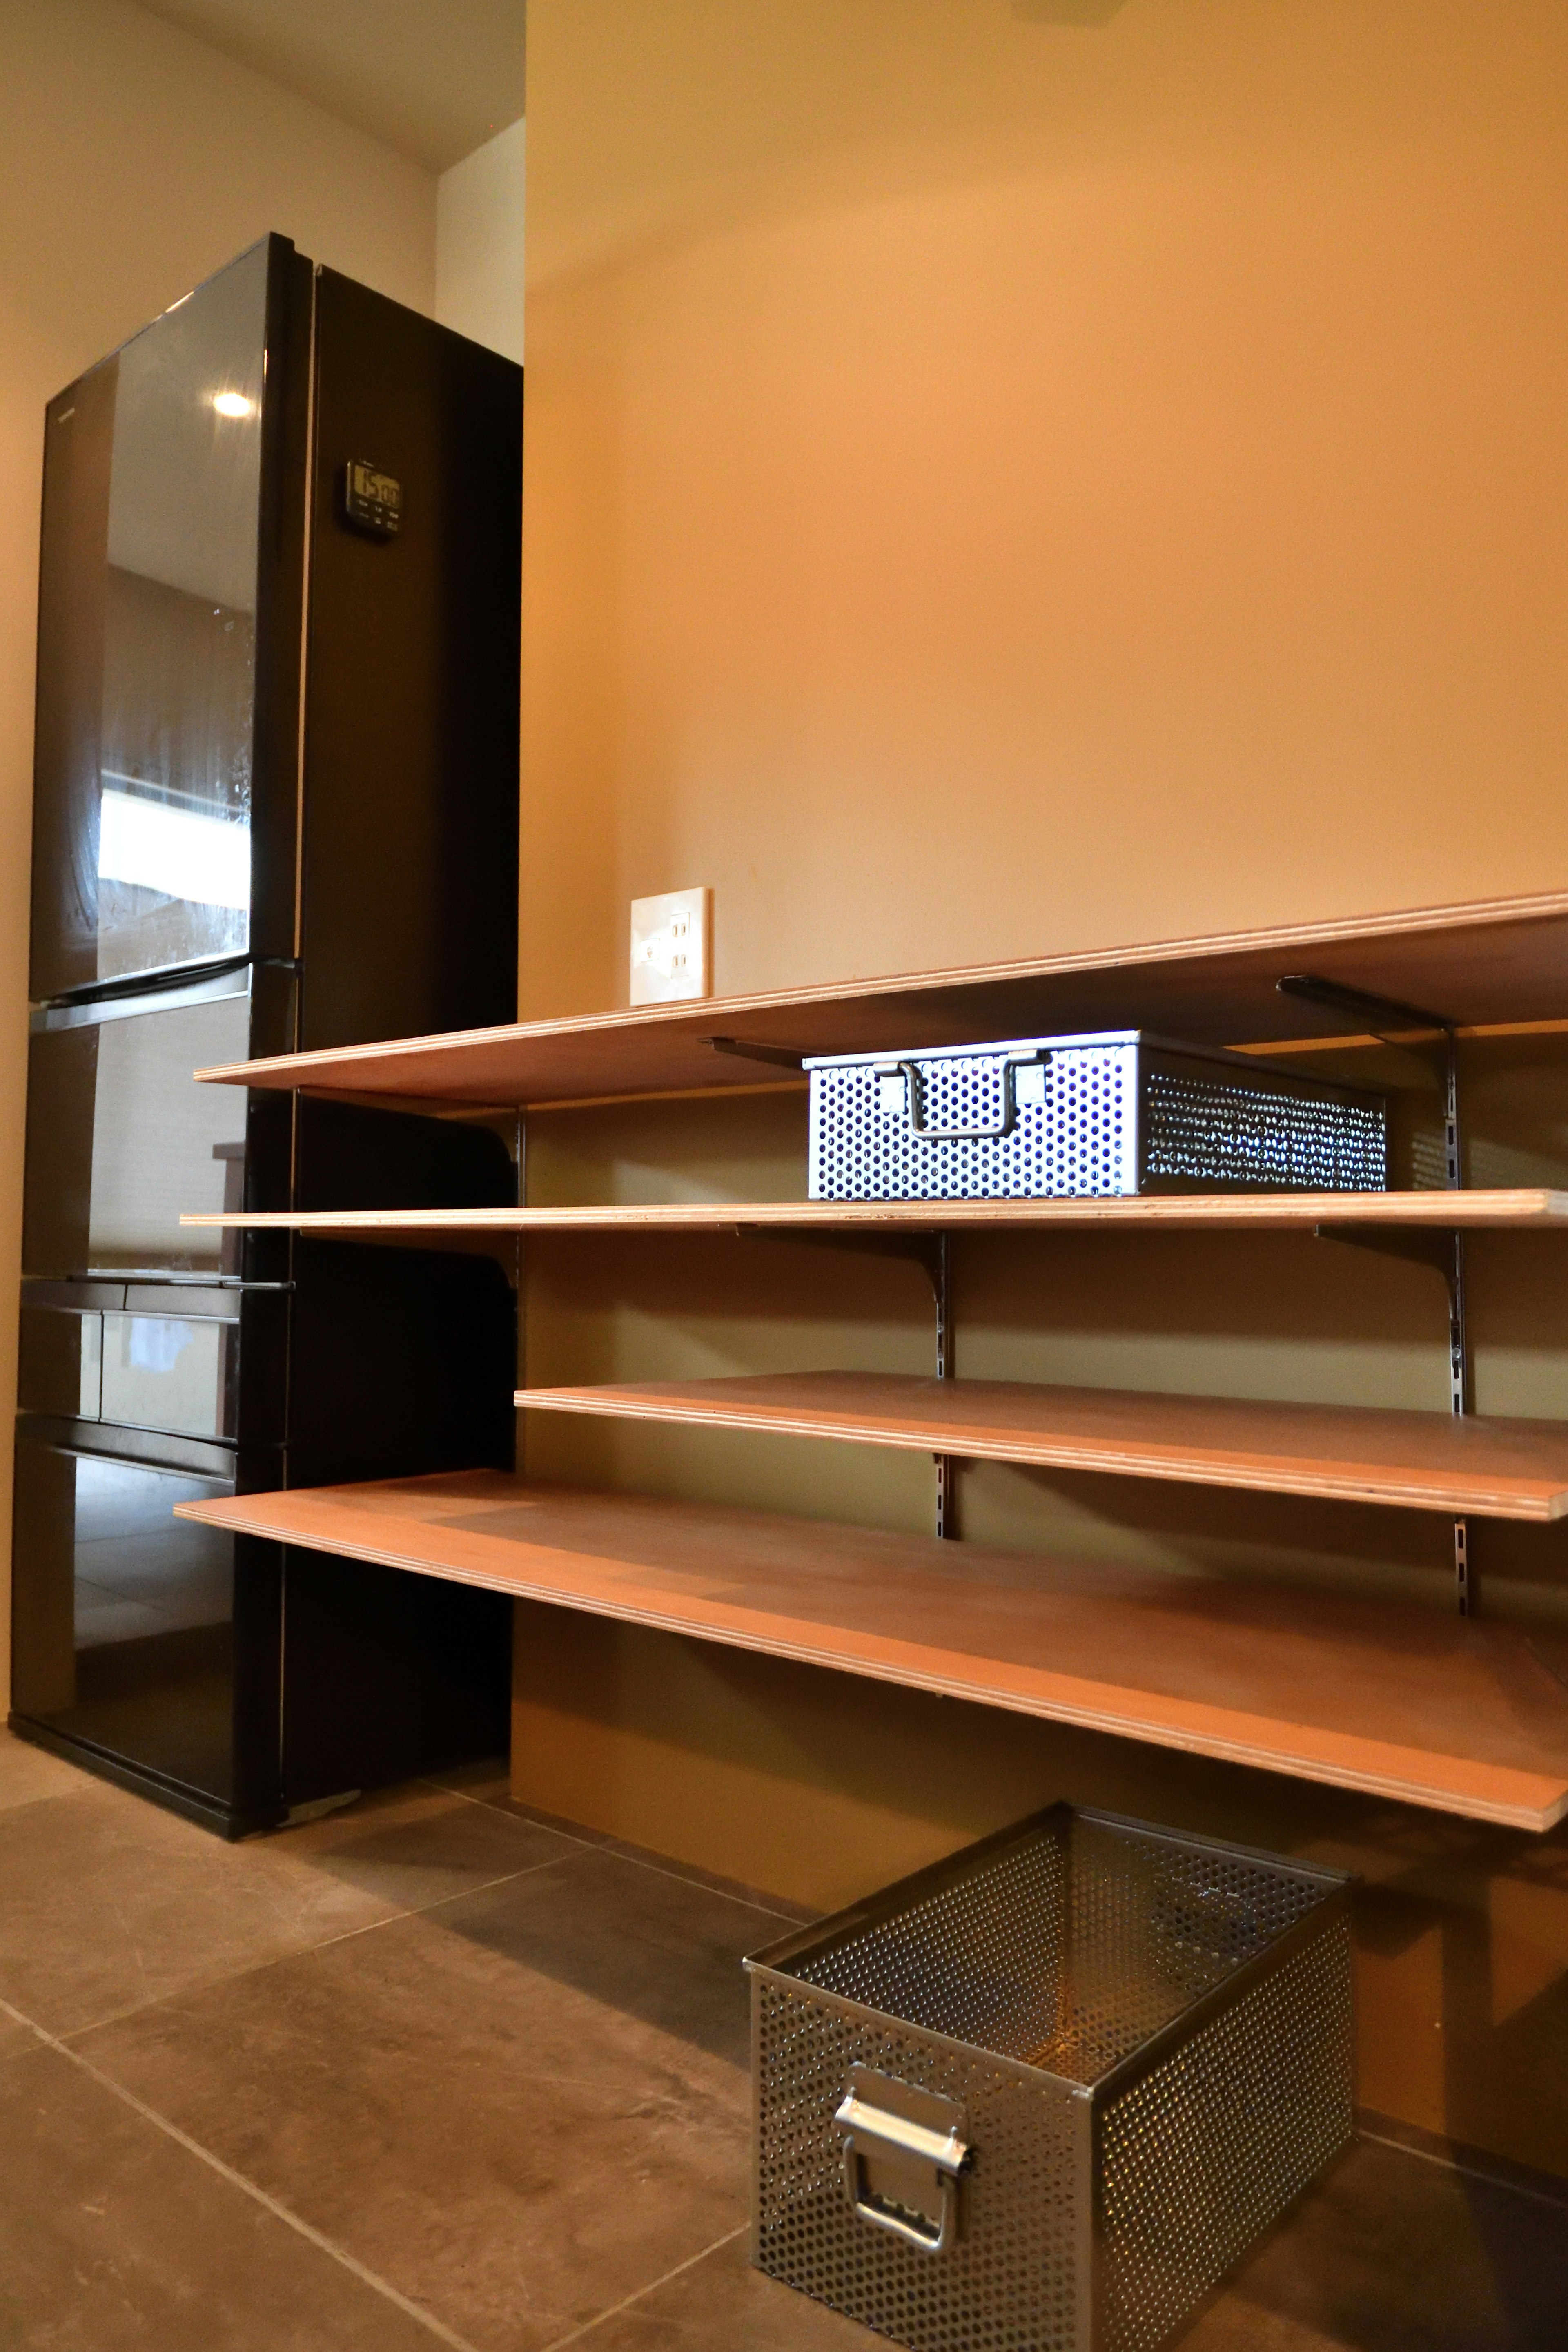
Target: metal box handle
[(906, 2150), (896, 1076)]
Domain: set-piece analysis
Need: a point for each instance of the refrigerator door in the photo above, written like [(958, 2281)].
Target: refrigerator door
[(410, 853), (172, 1369), (147, 646), (120, 1140), (61, 1351), (123, 1626), (161, 1356)]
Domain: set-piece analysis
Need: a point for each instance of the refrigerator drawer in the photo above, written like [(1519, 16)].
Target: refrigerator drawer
[(169, 1372), (60, 1362), (123, 1615), (120, 1137)]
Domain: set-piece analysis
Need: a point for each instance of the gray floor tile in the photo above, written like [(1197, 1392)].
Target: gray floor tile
[(489, 1777), (1393, 2254), (522, 2107), (1389, 2254), (416, 1845), (28, 1773), (775, 1913), (107, 1902), (115, 2238), (16, 2039), (645, 1943), (721, 2304), (490, 1784)]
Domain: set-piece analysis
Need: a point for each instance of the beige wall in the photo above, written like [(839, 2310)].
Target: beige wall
[(135, 161), (995, 485)]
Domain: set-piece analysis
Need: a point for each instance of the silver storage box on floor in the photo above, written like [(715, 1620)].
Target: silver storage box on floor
[(1042, 2096), (1115, 1111)]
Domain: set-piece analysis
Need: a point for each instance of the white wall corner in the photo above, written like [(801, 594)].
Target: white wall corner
[(480, 244)]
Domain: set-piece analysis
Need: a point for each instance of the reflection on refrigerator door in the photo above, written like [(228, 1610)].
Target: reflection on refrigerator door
[(123, 1630), (155, 1356), (167, 1371), (120, 1140), (148, 599)]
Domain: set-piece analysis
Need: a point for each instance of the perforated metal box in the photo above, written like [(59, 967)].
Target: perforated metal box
[(1044, 2095), (1113, 1111)]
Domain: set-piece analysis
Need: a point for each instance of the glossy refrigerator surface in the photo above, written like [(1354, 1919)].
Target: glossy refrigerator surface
[(276, 779), (409, 859), (121, 1141), (123, 1628), (147, 673), (138, 1355)]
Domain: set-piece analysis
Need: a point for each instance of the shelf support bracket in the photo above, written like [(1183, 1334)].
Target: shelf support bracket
[(780, 1056), (1391, 1022), (946, 1463), (1443, 1251), (934, 1252)]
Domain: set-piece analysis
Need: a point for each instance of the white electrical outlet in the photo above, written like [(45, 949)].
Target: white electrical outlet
[(670, 947)]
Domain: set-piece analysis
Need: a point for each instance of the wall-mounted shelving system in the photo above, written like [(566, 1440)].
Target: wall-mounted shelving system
[(1461, 1715)]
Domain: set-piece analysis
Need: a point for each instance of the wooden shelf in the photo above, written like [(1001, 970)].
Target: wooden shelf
[(1465, 1717), (1215, 1211), (1488, 962), (1462, 1717), (1425, 1460)]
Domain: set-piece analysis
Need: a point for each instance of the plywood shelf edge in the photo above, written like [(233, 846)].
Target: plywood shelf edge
[(1461, 1720), (1538, 1208), (1482, 962), (1421, 1461)]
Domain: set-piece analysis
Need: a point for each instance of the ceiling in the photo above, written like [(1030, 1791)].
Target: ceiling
[(434, 79)]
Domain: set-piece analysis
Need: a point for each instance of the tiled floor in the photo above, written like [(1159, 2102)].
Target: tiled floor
[(433, 2072)]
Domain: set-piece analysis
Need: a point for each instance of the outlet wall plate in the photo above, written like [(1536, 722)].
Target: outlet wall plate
[(671, 956)]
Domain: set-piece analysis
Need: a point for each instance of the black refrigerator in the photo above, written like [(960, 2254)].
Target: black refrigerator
[(274, 808)]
